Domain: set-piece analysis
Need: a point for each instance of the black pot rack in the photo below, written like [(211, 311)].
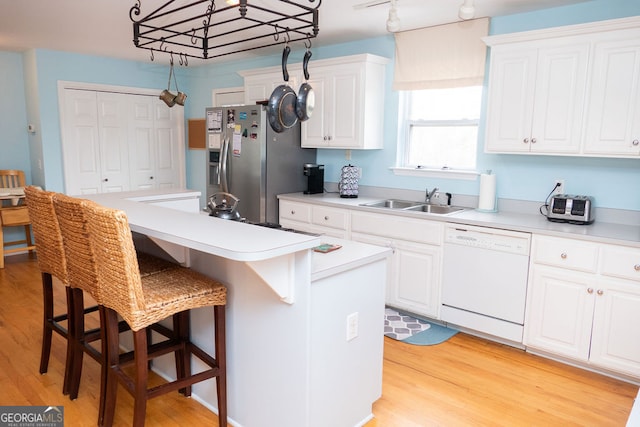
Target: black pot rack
[(213, 28)]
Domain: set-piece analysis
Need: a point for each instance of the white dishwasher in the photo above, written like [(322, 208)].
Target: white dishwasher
[(484, 279)]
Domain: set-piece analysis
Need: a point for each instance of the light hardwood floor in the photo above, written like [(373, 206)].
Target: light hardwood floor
[(466, 381)]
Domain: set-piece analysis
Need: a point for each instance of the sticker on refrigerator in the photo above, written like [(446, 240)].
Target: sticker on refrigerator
[(231, 118), (236, 147), (214, 121), (242, 115)]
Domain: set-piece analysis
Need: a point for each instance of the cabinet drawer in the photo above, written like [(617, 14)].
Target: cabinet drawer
[(397, 227), (295, 211), (565, 253), (328, 217), (620, 261)]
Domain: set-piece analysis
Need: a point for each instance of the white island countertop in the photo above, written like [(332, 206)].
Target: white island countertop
[(229, 239)]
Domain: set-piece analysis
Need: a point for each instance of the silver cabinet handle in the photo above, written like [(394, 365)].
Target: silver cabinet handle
[(636, 267), (293, 212), (150, 177), (589, 290), (326, 217), (533, 140), (563, 255), (106, 180), (526, 140), (635, 142), (600, 292)]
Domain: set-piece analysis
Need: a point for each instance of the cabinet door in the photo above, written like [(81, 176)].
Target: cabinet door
[(615, 342), (114, 152), (142, 150), (418, 278), (314, 131), (510, 101), (168, 146), (559, 98), (559, 312), (613, 109)]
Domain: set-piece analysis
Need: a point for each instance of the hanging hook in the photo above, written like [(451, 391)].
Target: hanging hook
[(162, 44), (152, 58), (276, 35), (307, 42), (171, 59), (181, 59), (193, 37)]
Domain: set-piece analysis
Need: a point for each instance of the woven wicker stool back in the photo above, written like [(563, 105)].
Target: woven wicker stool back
[(46, 231), (81, 264), (119, 282)]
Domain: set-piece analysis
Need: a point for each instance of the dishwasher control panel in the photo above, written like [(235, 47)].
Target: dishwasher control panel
[(488, 238)]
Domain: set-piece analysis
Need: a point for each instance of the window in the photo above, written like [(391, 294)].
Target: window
[(439, 128)]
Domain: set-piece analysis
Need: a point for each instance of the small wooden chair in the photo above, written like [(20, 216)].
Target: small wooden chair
[(142, 301), (14, 216)]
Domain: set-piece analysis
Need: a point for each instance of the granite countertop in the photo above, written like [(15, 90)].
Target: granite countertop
[(602, 232)]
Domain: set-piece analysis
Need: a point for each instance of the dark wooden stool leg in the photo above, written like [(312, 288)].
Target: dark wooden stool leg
[(141, 379), (221, 358), (47, 291), (76, 339), (69, 366), (181, 328), (111, 336)]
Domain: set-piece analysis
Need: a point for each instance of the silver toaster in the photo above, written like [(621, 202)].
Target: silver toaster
[(572, 209)]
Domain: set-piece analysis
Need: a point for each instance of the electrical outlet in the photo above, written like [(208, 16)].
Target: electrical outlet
[(559, 186), (352, 326)]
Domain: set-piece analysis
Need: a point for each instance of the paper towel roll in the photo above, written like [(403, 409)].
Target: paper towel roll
[(487, 199)]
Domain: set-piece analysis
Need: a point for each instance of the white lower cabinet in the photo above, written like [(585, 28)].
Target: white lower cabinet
[(588, 316), (414, 274), (314, 218)]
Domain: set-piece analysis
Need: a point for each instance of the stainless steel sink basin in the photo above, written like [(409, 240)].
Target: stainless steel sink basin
[(392, 204), (435, 209)]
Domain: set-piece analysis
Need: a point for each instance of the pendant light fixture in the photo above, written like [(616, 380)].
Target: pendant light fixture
[(393, 23)]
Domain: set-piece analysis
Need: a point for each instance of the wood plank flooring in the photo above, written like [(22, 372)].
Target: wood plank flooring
[(466, 381)]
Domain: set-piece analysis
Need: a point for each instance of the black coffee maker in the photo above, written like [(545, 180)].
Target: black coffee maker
[(315, 178)]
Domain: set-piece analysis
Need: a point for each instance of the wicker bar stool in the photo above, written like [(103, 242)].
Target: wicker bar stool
[(82, 276), (52, 263), (142, 301)]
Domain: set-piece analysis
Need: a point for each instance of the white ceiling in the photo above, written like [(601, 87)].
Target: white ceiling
[(103, 27)]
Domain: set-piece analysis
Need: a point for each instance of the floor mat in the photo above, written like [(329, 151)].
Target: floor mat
[(406, 328)]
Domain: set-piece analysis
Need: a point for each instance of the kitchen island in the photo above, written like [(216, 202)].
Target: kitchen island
[(304, 329)]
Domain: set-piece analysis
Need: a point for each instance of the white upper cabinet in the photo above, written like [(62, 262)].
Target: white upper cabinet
[(566, 91), (536, 98), (613, 111), (349, 99)]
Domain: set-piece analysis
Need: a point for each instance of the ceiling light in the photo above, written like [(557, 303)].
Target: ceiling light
[(393, 23), (467, 10)]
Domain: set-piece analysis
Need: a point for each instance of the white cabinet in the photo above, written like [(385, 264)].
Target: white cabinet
[(118, 142), (584, 303), (349, 95), (259, 86), (613, 110), (536, 97), (314, 218), (571, 90), (414, 274), (349, 99)]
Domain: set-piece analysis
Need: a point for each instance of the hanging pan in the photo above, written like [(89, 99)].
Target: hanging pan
[(306, 97), (281, 109)]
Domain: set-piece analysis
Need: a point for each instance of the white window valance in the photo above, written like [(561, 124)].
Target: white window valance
[(445, 56)]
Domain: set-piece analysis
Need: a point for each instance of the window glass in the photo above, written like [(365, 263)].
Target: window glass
[(439, 128)]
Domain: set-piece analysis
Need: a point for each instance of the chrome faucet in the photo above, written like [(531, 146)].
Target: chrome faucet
[(429, 194)]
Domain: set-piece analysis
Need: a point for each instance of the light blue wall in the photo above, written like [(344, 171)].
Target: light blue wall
[(29, 87)]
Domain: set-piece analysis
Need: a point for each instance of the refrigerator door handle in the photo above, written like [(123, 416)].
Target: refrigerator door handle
[(222, 171)]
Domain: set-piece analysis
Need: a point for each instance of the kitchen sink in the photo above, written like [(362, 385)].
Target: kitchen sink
[(392, 204), (435, 209), (406, 205)]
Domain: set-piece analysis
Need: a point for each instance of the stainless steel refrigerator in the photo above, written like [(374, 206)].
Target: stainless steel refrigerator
[(246, 158)]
